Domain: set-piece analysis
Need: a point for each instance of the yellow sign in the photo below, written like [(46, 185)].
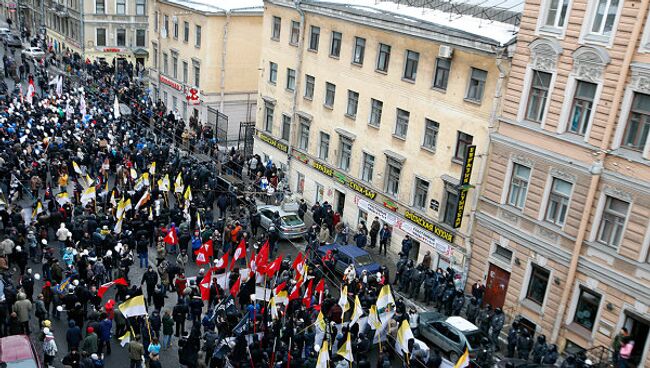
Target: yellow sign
[(322, 168), (273, 142), (428, 225)]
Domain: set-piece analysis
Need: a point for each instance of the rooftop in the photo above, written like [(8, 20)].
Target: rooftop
[(463, 24), (221, 6)]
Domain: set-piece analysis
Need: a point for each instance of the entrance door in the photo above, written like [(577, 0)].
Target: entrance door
[(340, 202), (638, 329), (496, 286)]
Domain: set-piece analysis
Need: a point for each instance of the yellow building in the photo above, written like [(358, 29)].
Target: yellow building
[(211, 46), (373, 107)]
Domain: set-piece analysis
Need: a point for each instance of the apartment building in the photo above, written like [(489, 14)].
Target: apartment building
[(562, 236), (374, 107), (208, 49)]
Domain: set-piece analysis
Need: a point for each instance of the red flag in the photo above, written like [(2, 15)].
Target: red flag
[(279, 288), (307, 298), (240, 253), (209, 249), (295, 292), (263, 256), (234, 290), (320, 289), (104, 287), (274, 266), (221, 262), (171, 237), (296, 263), (205, 285), (201, 256)]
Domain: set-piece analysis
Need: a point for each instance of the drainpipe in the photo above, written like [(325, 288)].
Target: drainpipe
[(294, 98), (224, 54), (597, 169), (494, 114)]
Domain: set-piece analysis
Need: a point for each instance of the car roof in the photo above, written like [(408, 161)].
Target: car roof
[(349, 250), (461, 324), (14, 348), (277, 208)]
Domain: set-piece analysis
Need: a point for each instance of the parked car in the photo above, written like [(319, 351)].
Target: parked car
[(344, 255), (11, 40), (34, 52), (291, 226), (17, 351), (450, 334), (4, 31)]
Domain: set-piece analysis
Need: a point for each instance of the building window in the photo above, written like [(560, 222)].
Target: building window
[(324, 147), (268, 117), (175, 29), (335, 47), (604, 17), (291, 79), (402, 123), (101, 36), (121, 37), (558, 201), (155, 56), (295, 33), (411, 65), (476, 85), (330, 92), (286, 127), (303, 137), (367, 167), (537, 96), (451, 205), (359, 50), (197, 74), (383, 57), (165, 25), (583, 101), (393, 172), (556, 15), (277, 26), (587, 308), (155, 20), (420, 195), (345, 155), (186, 31), (503, 253), (314, 38), (273, 72), (120, 7), (353, 103), (431, 129), (100, 6), (300, 185), (310, 83), (140, 35), (185, 71), (537, 284), (376, 107), (518, 185), (441, 75), (198, 36), (612, 222), (638, 123), (462, 141), (140, 7), (175, 65)]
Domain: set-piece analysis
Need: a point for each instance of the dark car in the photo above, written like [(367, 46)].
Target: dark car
[(11, 40), (344, 255), (450, 334), (17, 351)]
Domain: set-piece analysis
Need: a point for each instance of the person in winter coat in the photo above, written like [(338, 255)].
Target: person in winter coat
[(524, 344), (324, 235), (167, 329), (22, 307), (472, 310), (155, 322), (180, 283), (513, 336), (375, 226), (551, 355), (627, 345), (484, 319), (179, 315), (90, 343), (105, 327), (457, 305), (384, 239), (182, 259), (496, 325), (40, 310), (150, 277), (49, 347), (73, 335), (136, 352), (407, 244), (539, 349)]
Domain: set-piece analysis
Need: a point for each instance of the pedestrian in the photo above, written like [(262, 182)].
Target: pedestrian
[(73, 335), (49, 348), (23, 307), (136, 352), (105, 327), (167, 329), (384, 238), (90, 343)]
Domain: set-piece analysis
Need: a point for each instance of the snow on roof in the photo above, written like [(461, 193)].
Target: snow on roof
[(497, 31), (219, 6), (461, 323)]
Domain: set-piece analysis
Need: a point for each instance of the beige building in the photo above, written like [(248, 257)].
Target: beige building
[(562, 236), (212, 47), (373, 107)]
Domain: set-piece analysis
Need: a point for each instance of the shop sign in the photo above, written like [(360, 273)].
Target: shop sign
[(343, 179), (428, 225), (465, 176), (390, 205), (300, 156), (171, 83), (111, 49), (273, 142), (376, 210)]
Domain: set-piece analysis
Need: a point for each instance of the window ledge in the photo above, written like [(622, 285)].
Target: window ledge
[(428, 149), (197, 46), (408, 80), (273, 83), (384, 72), (294, 44), (308, 98), (315, 51), (399, 137), (472, 101), (358, 65), (373, 126), (275, 39), (438, 89), (597, 39), (329, 107), (456, 160), (351, 117), (335, 57), (290, 90), (581, 331), (551, 30), (533, 306)]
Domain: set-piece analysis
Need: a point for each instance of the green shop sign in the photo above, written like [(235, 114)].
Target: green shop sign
[(343, 179)]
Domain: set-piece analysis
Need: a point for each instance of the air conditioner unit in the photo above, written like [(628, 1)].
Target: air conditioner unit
[(445, 51)]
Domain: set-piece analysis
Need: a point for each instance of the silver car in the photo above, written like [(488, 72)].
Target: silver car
[(291, 226)]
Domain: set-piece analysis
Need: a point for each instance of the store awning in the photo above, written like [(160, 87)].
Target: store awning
[(140, 52)]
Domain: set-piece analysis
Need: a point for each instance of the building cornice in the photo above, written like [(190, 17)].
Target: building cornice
[(255, 11)]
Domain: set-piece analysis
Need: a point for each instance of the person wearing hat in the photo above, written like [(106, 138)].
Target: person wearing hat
[(90, 343), (136, 352), (49, 347)]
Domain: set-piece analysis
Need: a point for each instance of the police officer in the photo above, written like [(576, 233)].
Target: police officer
[(539, 349), (497, 325), (472, 310), (513, 336)]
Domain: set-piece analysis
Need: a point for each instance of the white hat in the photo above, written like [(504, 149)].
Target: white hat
[(46, 330)]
